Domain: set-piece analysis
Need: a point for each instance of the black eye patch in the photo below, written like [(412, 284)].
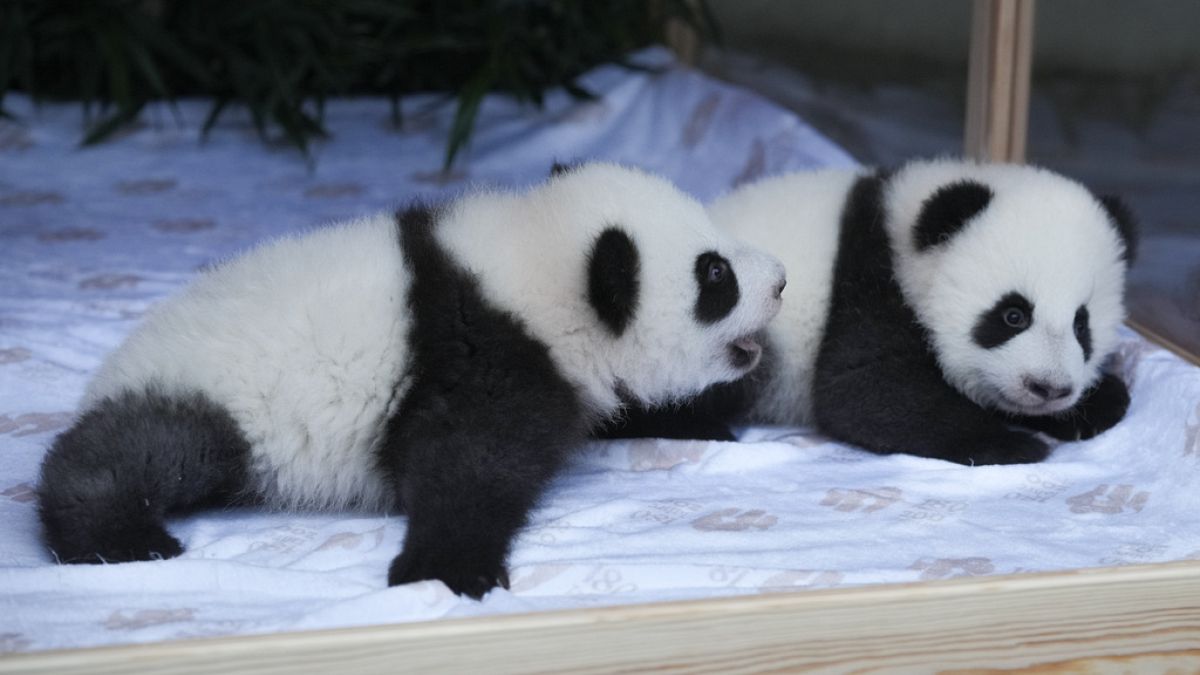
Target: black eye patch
[(1006, 319), (1083, 331), (718, 288)]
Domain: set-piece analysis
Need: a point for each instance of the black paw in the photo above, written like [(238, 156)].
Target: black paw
[(146, 543), (1010, 447), (1098, 410), (1101, 408), (668, 423), (465, 575), (716, 431)]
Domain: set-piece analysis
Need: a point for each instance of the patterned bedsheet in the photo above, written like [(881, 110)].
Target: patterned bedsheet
[(90, 238)]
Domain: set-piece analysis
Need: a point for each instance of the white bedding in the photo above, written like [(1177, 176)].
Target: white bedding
[(89, 238)]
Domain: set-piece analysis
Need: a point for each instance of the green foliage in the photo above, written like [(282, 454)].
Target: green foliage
[(282, 59)]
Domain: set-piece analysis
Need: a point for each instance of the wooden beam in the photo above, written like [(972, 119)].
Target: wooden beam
[(998, 80), (1163, 341), (683, 39), (1116, 619)]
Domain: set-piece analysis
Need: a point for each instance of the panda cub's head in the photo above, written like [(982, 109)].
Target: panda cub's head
[(1017, 274), (677, 303)]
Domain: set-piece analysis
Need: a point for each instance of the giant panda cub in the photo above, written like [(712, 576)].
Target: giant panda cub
[(945, 309), (439, 361)]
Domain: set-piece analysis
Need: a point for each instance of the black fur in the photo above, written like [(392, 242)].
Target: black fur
[(485, 424), (877, 384), (718, 288), (687, 420), (1126, 224), (108, 482), (709, 416), (560, 168), (706, 417), (947, 210), (1083, 331), (613, 279), (996, 326)]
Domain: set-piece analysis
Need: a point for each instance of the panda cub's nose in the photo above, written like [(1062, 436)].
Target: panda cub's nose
[(779, 288), (1047, 391)]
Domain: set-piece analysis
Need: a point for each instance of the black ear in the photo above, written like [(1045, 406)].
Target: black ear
[(559, 168), (946, 211), (1125, 223), (613, 279)]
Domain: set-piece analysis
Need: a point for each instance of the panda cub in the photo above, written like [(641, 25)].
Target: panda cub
[(931, 310), (439, 361)]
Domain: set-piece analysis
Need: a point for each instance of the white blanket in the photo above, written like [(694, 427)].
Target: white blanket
[(89, 238)]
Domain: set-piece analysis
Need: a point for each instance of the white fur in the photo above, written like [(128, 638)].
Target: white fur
[(304, 339), (1042, 235), (795, 217)]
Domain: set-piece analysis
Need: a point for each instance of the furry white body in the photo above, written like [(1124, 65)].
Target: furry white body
[(305, 340), (1042, 235), (796, 217)]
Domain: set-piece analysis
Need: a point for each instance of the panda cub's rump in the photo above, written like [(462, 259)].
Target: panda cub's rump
[(441, 361), (930, 309)]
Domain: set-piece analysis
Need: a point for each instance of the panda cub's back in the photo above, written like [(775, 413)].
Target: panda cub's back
[(797, 218), (303, 341)]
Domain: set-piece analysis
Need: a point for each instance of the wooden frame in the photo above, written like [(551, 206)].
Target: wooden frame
[(1163, 341), (998, 80), (998, 75), (1137, 618)]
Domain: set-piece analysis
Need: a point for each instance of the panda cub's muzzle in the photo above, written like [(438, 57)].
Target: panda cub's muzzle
[(746, 303)]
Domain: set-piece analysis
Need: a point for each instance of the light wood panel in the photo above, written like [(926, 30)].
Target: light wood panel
[(998, 80), (1164, 342), (1133, 618), (684, 41)]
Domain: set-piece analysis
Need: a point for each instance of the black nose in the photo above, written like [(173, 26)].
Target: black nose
[(779, 288), (1047, 391)]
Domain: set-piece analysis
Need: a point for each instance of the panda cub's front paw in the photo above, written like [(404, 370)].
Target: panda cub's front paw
[(468, 575), (1010, 447), (1101, 408)]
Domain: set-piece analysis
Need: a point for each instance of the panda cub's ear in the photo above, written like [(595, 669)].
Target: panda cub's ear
[(1126, 225), (947, 210), (559, 168), (613, 270)]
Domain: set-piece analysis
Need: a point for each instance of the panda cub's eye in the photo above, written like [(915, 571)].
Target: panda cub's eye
[(717, 286), (1015, 317), (1003, 321), (718, 271)]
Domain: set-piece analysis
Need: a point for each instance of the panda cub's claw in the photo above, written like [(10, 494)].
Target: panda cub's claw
[(150, 542), (465, 576), (157, 545), (1009, 447)]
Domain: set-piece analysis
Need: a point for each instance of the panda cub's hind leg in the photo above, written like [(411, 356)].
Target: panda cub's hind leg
[(109, 481)]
